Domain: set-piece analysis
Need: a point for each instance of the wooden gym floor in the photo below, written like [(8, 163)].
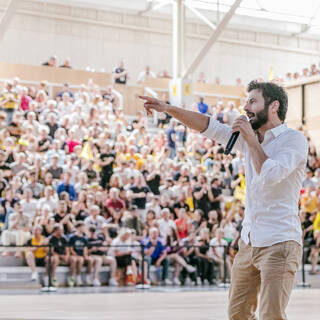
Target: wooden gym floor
[(169, 305)]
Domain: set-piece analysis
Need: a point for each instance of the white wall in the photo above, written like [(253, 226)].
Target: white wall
[(87, 36)]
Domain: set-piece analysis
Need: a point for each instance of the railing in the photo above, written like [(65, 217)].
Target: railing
[(143, 260), (142, 247)]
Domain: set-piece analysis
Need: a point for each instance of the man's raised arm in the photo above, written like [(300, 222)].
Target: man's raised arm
[(208, 126), (193, 120)]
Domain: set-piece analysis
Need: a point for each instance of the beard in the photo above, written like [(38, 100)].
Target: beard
[(259, 119)]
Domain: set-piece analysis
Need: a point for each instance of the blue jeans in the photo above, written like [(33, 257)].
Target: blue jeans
[(164, 264), (9, 113), (172, 152)]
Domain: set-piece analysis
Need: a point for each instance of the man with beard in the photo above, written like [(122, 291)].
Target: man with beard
[(270, 248)]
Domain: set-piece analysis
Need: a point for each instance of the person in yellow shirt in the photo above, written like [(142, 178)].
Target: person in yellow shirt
[(315, 250), (309, 200), (35, 256), (316, 224), (9, 101), (239, 185), (132, 155), (145, 158)]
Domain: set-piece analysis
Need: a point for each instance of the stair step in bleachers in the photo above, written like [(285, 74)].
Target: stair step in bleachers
[(10, 261), (22, 275)]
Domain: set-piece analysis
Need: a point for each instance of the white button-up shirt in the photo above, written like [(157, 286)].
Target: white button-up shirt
[(271, 214)]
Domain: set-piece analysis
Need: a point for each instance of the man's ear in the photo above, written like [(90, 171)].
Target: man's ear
[(275, 106)]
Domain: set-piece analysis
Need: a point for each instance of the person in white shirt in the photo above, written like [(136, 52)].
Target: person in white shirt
[(270, 248), (165, 223), (28, 204), (217, 247), (55, 150), (50, 199), (65, 106), (316, 178), (231, 114), (94, 219), (147, 73)]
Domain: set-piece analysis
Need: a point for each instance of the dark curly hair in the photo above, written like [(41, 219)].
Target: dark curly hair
[(272, 92)]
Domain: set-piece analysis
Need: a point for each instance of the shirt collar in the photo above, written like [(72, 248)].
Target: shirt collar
[(274, 132), (279, 129)]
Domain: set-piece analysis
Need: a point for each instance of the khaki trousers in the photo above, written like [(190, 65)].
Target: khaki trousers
[(268, 271)]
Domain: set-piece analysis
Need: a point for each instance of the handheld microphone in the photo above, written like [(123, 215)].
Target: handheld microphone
[(231, 142), (234, 138)]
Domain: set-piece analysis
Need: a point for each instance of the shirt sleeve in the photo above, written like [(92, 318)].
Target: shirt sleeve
[(221, 133), (284, 162)]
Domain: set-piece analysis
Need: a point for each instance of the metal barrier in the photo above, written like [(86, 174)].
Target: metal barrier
[(142, 247), (304, 284)]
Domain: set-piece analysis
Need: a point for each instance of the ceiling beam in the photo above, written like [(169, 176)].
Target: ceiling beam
[(147, 9), (200, 15), (213, 38)]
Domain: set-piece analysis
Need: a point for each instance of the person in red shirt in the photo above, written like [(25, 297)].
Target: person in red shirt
[(71, 141), (114, 203), (25, 99), (182, 223)]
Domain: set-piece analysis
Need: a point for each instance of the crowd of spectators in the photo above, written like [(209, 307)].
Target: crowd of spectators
[(77, 174), (289, 76), (121, 74), (306, 72)]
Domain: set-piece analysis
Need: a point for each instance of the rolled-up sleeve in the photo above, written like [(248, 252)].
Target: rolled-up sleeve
[(221, 133), (279, 167)]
